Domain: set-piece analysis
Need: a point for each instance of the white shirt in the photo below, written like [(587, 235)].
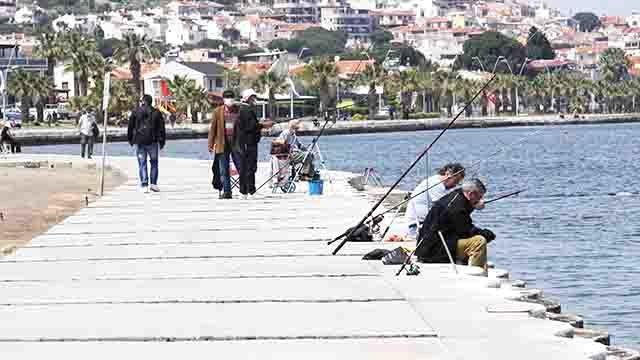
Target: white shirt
[(419, 206), (85, 125)]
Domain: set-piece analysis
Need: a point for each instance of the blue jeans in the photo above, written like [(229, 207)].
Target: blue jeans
[(150, 151)]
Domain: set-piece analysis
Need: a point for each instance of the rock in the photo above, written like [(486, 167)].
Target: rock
[(598, 336), (575, 320)]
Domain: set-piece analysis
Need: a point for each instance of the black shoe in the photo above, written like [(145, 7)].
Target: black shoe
[(89, 157), (226, 196)]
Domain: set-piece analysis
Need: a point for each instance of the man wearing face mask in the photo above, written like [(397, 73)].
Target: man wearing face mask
[(222, 141), (247, 135), (451, 216)]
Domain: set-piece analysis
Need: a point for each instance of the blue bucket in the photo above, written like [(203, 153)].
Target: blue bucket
[(316, 187)]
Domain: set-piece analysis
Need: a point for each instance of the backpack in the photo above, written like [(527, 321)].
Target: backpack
[(95, 130), (144, 126)]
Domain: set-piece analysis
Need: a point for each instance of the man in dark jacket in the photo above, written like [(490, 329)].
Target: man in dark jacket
[(247, 134), (451, 216), (146, 131)]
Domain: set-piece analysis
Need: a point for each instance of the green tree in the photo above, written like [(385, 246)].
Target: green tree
[(538, 46), (489, 47), (321, 74), (404, 83), (381, 37), (188, 95), (272, 84), (134, 50), (318, 41), (26, 86), (373, 76), (83, 57), (613, 64), (588, 21)]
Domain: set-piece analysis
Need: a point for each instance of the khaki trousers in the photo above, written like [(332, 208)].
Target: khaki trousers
[(474, 249)]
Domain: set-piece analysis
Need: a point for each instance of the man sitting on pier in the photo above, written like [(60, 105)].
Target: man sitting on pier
[(297, 152), (451, 217), (439, 185)]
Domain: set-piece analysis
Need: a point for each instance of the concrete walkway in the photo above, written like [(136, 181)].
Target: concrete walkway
[(183, 274)]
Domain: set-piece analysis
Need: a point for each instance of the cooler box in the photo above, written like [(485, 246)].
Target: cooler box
[(315, 187)]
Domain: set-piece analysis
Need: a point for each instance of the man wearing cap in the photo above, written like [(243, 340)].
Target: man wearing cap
[(247, 136), (451, 217), (221, 140)]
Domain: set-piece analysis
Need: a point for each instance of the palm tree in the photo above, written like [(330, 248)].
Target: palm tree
[(321, 75), (188, 95), (19, 85), (84, 59), (134, 50), (404, 83), (50, 48), (272, 84), (374, 76), (41, 86)]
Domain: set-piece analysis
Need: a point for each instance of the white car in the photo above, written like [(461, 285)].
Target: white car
[(48, 113)]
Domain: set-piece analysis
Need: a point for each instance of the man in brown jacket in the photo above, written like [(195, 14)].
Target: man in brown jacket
[(222, 140)]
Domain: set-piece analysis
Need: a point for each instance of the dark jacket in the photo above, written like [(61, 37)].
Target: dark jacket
[(248, 129), (451, 214), (146, 126)]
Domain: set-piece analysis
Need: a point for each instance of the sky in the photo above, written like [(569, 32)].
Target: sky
[(599, 7)]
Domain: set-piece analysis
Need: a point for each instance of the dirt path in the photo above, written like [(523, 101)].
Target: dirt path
[(33, 200)]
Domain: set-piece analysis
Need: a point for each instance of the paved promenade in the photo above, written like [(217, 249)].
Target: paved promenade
[(183, 274)]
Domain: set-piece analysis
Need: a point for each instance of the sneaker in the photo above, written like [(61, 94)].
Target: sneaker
[(154, 188), (226, 196), (144, 189), (245, 197)]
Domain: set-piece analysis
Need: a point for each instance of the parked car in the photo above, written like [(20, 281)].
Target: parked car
[(65, 112), (14, 116)]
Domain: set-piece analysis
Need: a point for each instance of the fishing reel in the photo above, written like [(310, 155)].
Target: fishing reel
[(374, 224)]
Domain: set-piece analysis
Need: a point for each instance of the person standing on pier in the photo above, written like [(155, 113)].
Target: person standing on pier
[(439, 185), (451, 217), (87, 126), (221, 141), (248, 134), (147, 132)]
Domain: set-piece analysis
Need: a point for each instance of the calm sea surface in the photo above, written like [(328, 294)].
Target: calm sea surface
[(575, 232)]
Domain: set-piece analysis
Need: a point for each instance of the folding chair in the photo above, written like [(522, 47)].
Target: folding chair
[(234, 175)]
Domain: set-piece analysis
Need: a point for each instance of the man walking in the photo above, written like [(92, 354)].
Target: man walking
[(146, 131), (247, 137), (221, 141), (86, 126)]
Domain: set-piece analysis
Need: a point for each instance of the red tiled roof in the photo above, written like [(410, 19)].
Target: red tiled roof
[(123, 73), (352, 67)]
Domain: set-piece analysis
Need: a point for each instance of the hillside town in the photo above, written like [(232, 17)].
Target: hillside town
[(414, 57)]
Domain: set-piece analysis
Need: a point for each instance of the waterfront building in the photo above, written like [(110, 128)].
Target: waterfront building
[(298, 11), (356, 23)]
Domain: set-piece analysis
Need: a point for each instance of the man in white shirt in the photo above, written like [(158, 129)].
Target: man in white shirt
[(86, 125), (439, 185), (297, 151)]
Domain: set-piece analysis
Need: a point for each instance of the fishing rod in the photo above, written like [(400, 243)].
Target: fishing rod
[(408, 259), (415, 162), (476, 163), (500, 197)]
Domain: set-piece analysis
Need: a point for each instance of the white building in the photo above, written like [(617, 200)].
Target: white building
[(207, 75), (192, 9), (25, 15), (180, 32), (298, 11), (633, 20), (259, 30), (7, 9), (422, 8), (64, 80), (356, 23)]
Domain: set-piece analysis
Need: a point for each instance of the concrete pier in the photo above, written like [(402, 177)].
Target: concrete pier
[(183, 274)]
